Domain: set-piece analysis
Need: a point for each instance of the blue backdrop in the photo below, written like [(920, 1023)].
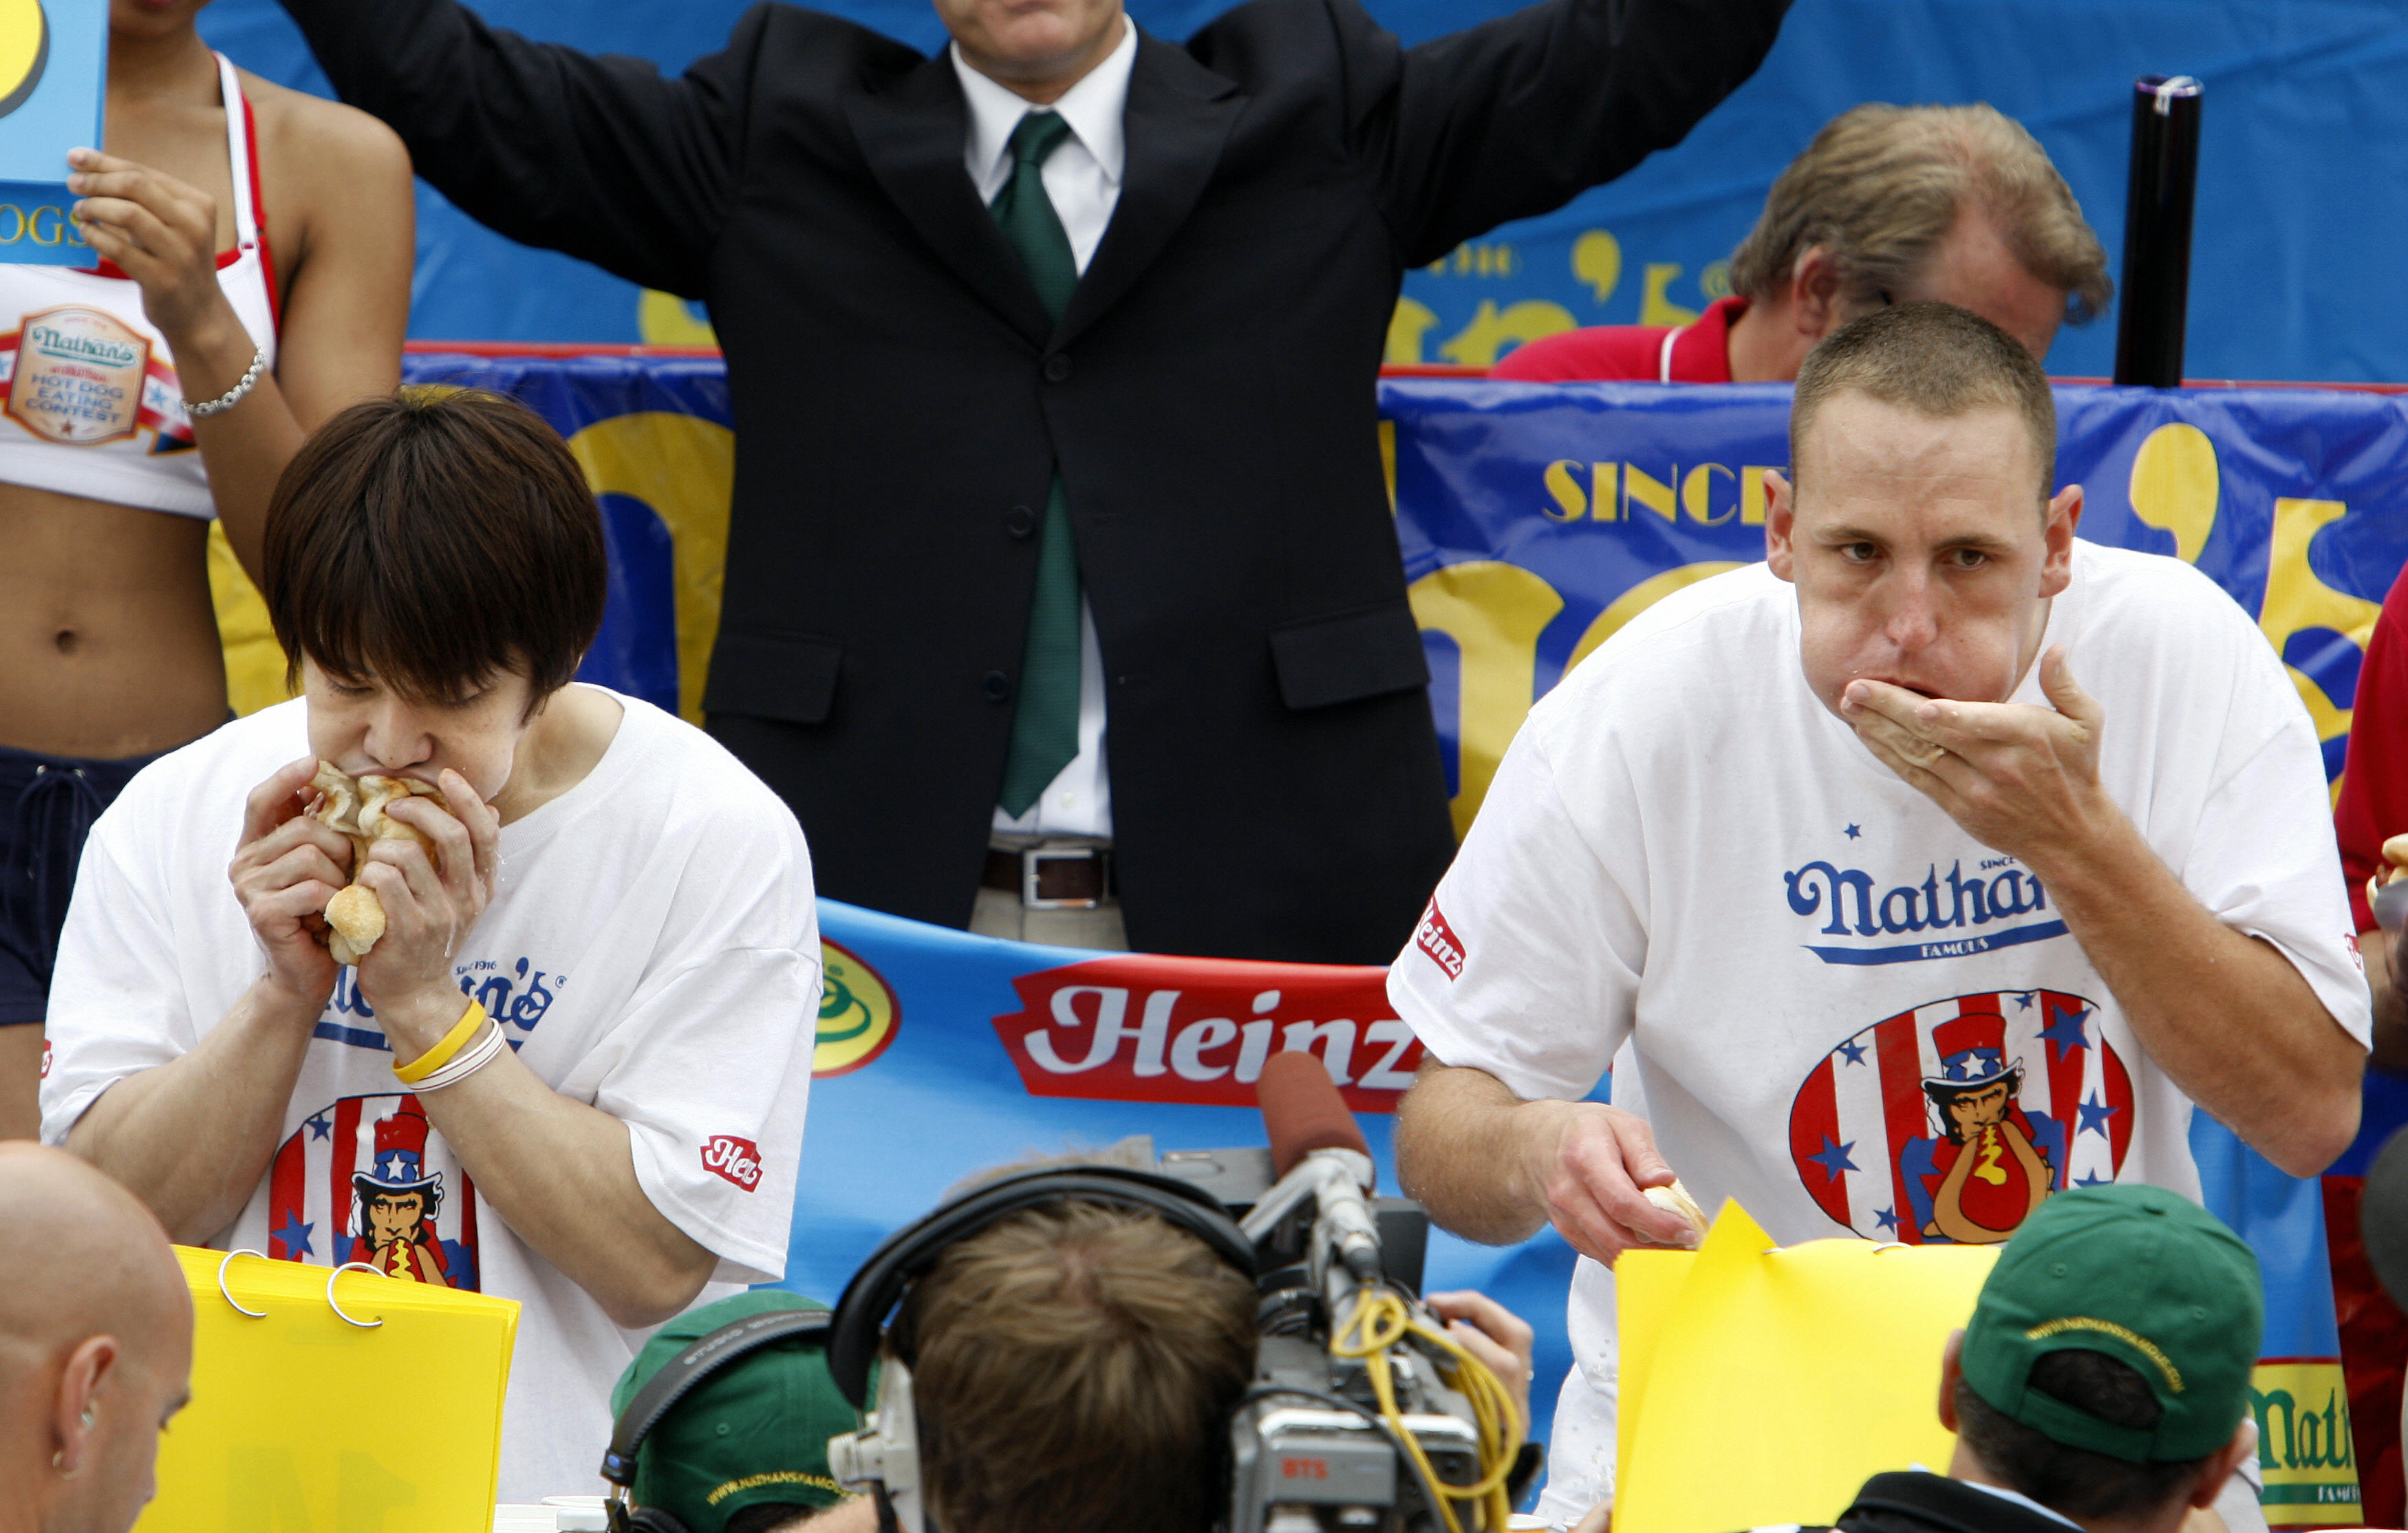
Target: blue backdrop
[(2303, 201)]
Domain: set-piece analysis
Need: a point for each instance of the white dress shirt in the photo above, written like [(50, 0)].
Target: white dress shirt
[(1083, 179)]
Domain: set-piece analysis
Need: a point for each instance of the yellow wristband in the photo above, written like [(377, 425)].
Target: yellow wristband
[(453, 1041)]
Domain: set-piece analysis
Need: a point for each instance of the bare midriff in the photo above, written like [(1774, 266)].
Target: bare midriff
[(109, 645)]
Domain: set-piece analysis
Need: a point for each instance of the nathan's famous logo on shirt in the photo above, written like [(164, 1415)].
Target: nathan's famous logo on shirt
[(1951, 1123), (1953, 914), (858, 1013), (1152, 1029), (79, 377), (514, 993), (365, 1179)]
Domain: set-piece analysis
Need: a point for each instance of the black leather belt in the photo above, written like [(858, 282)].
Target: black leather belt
[(1053, 877)]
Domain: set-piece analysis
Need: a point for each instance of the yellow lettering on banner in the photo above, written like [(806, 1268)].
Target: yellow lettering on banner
[(1640, 597), (1751, 495), (2297, 600), (1597, 261), (663, 319), (1406, 327), (1697, 487), (1479, 343), (1604, 497), (35, 226), (1649, 491), (1656, 309), (254, 662), (684, 469), (1571, 503), (16, 230), (1494, 612), (2174, 486)]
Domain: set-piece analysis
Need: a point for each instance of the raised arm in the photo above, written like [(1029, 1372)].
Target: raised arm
[(1516, 117), (599, 157), (2233, 1018), (340, 185)]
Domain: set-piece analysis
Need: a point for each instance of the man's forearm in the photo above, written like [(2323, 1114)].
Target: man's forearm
[(2226, 1016), (192, 1138), (563, 1176), (1460, 1152)]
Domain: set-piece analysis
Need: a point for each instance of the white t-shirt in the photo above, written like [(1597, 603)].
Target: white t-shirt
[(1684, 849), (652, 950)]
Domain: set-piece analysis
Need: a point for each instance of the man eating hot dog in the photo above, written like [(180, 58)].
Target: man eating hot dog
[(1908, 927), (570, 1068)]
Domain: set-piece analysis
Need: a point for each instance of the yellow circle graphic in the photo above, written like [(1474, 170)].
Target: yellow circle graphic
[(24, 48), (858, 1013)]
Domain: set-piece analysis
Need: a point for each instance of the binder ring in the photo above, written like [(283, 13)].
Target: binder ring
[(226, 1294), (348, 1266)]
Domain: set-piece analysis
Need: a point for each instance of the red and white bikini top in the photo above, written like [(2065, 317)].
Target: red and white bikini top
[(90, 403)]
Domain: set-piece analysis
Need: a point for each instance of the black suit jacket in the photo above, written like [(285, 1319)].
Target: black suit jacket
[(902, 403)]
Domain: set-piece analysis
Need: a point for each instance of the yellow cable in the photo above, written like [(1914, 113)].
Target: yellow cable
[(1381, 1320)]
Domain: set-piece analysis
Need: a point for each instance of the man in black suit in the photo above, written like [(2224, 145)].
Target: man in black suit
[(1028, 441)]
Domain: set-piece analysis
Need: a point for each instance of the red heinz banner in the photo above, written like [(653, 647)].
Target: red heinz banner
[(1148, 1029)]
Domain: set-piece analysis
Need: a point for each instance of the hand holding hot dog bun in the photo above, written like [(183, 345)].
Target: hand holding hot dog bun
[(355, 808), (1676, 1199)]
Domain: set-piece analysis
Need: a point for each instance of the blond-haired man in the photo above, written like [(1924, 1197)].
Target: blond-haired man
[(1887, 205), (1824, 898)]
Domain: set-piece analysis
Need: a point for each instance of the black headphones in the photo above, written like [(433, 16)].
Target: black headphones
[(729, 1344), (907, 1255), (884, 1456)]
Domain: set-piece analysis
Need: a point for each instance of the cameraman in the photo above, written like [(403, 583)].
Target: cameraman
[(1076, 1364)]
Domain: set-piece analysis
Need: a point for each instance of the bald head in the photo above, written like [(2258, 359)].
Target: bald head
[(95, 1341)]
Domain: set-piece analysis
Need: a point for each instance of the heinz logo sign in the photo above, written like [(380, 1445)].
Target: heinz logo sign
[(1152, 1029), (1436, 938), (738, 1160)]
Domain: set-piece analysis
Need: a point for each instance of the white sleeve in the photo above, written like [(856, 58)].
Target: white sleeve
[(117, 1003), (711, 1076), (2263, 861), (1527, 962)]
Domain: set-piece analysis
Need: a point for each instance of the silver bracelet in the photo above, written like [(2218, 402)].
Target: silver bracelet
[(233, 396)]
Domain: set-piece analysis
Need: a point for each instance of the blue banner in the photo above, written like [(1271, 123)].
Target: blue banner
[(2293, 241)]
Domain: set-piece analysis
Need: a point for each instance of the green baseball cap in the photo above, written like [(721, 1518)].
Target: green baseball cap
[(753, 1433), (2147, 1277)]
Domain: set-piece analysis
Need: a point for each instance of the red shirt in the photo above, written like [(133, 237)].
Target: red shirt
[(2374, 781), (1614, 353)]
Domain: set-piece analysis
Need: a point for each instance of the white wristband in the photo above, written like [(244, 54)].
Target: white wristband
[(475, 1057)]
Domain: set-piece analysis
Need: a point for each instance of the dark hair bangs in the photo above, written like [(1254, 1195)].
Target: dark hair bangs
[(435, 541)]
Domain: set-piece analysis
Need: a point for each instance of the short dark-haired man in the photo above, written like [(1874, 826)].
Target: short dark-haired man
[(581, 1047), (1824, 898), (2102, 1383)]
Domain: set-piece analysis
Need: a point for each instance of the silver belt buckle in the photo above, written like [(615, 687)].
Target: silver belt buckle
[(1031, 856)]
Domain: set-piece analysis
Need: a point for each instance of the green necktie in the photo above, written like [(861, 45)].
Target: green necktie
[(1045, 725)]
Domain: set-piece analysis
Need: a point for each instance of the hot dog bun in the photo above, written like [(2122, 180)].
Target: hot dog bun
[(355, 808), (1676, 1199)]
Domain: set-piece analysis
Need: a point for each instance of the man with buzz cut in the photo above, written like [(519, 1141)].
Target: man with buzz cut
[(2102, 1383), (1909, 935)]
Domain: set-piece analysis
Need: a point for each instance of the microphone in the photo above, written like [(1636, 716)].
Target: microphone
[(1303, 1112)]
